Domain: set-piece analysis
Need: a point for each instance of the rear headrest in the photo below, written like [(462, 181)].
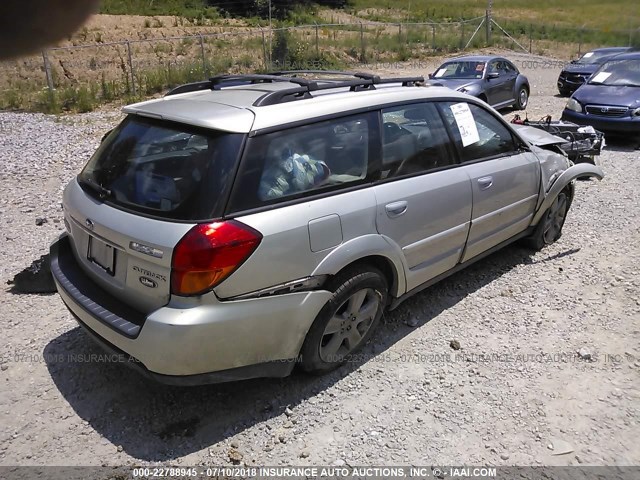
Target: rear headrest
[(414, 114)]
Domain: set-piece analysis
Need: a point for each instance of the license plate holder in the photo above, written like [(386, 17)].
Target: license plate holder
[(102, 254)]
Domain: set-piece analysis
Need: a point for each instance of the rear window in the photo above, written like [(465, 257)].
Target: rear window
[(305, 160), (167, 170)]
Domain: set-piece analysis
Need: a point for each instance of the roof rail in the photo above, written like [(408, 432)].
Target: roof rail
[(190, 87), (303, 88), (293, 73), (363, 81), (219, 81), (244, 79)]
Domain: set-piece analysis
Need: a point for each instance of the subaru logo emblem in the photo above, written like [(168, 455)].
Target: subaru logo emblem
[(89, 223), (604, 109)]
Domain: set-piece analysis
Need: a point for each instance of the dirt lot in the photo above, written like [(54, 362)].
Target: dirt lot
[(517, 392)]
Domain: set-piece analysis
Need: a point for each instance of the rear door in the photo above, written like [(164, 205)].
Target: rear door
[(505, 177), (423, 198)]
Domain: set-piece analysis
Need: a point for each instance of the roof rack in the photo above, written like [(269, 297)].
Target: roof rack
[(293, 73), (362, 81), (219, 81), (303, 88)]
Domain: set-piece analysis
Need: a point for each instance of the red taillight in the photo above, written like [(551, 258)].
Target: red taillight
[(209, 253)]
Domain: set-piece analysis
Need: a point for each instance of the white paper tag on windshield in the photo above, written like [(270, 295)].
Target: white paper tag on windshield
[(440, 72), (601, 77), (587, 55), (466, 123)]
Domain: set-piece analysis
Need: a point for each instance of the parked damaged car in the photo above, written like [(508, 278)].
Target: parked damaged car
[(577, 72), (229, 232), (492, 79), (610, 100)]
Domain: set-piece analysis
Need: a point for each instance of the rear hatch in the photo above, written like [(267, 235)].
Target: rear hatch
[(146, 186)]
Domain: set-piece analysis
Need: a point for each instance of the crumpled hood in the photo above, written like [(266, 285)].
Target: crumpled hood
[(537, 136), (608, 95), (586, 69)]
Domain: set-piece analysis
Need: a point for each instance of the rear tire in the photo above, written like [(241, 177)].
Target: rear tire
[(347, 321), (549, 230), (564, 92)]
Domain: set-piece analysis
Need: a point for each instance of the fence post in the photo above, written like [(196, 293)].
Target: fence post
[(580, 41), (264, 49), (317, 42), (399, 32), (487, 26), (362, 49), (133, 76), (205, 69), (47, 72), (433, 36), (461, 34), (530, 38)]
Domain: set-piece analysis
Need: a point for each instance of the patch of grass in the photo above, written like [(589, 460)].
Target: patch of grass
[(12, 99), (614, 14), (192, 9)]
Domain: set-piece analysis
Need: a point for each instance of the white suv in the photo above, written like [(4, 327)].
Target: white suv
[(243, 225)]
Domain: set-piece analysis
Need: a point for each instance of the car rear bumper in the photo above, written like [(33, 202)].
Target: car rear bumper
[(613, 124), (191, 341)]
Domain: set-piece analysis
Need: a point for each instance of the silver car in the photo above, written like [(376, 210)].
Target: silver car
[(241, 226)]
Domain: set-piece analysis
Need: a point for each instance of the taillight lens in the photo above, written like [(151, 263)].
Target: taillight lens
[(209, 253)]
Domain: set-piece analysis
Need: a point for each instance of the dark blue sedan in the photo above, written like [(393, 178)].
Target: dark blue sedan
[(578, 71), (495, 80), (610, 100)]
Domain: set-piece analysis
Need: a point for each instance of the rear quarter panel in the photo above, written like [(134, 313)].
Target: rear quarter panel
[(285, 252)]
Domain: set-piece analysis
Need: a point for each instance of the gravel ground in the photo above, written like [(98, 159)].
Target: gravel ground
[(516, 392)]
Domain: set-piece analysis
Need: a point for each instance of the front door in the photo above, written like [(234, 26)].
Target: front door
[(505, 179), (496, 88)]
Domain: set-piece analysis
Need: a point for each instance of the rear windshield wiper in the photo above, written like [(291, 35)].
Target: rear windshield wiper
[(99, 189)]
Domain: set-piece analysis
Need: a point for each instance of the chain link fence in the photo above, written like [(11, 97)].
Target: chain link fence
[(81, 77)]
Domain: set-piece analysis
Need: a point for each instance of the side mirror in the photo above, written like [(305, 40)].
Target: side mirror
[(573, 61), (492, 75), (431, 75)]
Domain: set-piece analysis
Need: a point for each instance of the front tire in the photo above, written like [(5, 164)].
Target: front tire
[(549, 230), (347, 321), (522, 100)]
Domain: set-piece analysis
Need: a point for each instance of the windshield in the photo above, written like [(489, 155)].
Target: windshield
[(164, 169), (460, 70), (622, 73), (591, 58)]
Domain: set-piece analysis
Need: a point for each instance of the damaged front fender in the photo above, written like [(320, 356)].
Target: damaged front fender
[(581, 170)]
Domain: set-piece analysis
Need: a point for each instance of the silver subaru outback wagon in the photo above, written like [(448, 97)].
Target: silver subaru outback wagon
[(244, 225)]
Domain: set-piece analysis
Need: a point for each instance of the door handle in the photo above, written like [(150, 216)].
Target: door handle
[(396, 209), (485, 182)]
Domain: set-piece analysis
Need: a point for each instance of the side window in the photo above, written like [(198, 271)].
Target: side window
[(289, 163), (477, 133), (509, 68), (414, 140), (494, 67)]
